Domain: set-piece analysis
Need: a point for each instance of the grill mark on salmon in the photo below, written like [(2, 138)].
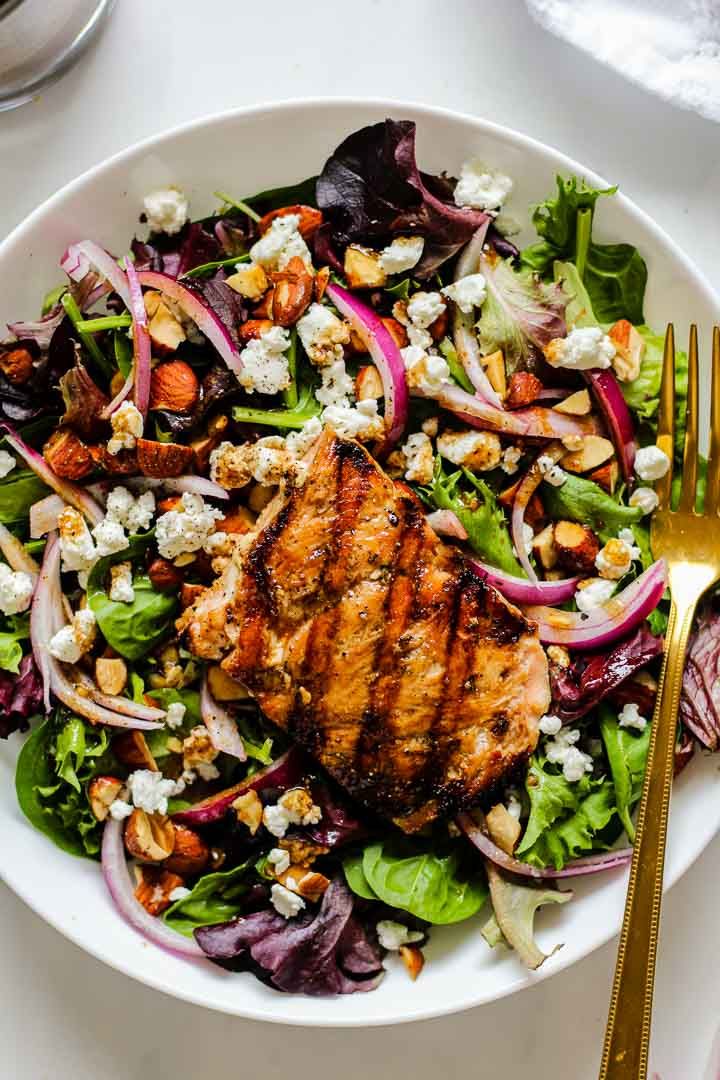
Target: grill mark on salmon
[(374, 646)]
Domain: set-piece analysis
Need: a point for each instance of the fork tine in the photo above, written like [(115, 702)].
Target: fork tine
[(690, 452), (712, 492), (666, 416)]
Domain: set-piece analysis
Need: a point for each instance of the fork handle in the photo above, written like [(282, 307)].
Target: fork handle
[(627, 1036)]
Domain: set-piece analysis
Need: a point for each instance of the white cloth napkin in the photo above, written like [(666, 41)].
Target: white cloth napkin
[(671, 47)]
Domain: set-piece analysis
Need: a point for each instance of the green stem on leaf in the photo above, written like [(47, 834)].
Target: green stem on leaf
[(582, 240), (105, 322), (74, 313), (238, 204)]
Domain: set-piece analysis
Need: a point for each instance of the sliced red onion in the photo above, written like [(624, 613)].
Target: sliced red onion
[(117, 878), (221, 725), (385, 355), (464, 336), (534, 422), (124, 706), (524, 592), (71, 493), (552, 393), (614, 408), (525, 491), (194, 485), (447, 523), (79, 258), (613, 620), (285, 770), (15, 553), (141, 341), (40, 331), (121, 395), (44, 515), (590, 864), (196, 309)]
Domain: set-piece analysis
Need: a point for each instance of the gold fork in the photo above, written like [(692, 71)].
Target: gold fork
[(690, 544)]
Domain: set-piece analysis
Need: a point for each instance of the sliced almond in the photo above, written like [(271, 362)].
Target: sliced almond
[(545, 548), (594, 452), (494, 365), (132, 750), (577, 546), (102, 793), (111, 675), (504, 829), (607, 475), (413, 959), (149, 837), (629, 350), (578, 404), (363, 269)]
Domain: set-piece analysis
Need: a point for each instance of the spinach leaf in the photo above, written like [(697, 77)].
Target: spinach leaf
[(355, 875), (131, 629), (215, 898), (306, 408), (18, 491), (627, 756), (433, 883), (615, 275), (566, 820), (578, 499), (479, 514), (18, 629), (302, 193), (54, 766)]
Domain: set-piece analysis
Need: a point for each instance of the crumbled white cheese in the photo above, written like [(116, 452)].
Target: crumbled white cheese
[(323, 335), (266, 461), (133, 514), (430, 426), (513, 805), (121, 583), (507, 224), (337, 386), (272, 461), (7, 463), (645, 498), (16, 589), (585, 347), (127, 427), (76, 544), (298, 805), (186, 529), (286, 903), (651, 463), (562, 751), (119, 810), (279, 859), (630, 717), (75, 639), (402, 254), (109, 537), (468, 293), (481, 187), (393, 935), (175, 714), (478, 450), (362, 422), (218, 543), (276, 820), (119, 503), (419, 458), (166, 210), (299, 442), (178, 893), (425, 372), (280, 244), (423, 339), (593, 593), (549, 724), (615, 559), (550, 471), (265, 365), (150, 791), (510, 462), (424, 308)]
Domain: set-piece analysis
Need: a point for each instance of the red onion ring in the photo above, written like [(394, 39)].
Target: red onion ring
[(464, 336), (78, 259), (534, 422), (221, 725), (524, 592), (526, 489), (612, 404)]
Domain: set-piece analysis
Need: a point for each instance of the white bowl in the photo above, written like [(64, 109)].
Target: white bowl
[(244, 151)]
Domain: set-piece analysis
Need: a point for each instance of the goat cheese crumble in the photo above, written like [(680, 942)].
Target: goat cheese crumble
[(180, 892), (419, 458), (127, 427), (265, 365), (75, 638), (337, 386), (362, 422), (187, 529), (478, 450), (402, 254), (481, 187), (549, 724), (16, 589), (426, 372), (644, 498), (510, 462), (121, 583), (651, 463), (630, 717), (561, 750), (424, 308), (166, 210), (323, 334), (279, 859), (286, 903), (76, 544), (109, 537), (615, 559), (393, 935), (281, 243), (593, 593), (551, 472), (150, 791), (175, 714), (584, 348), (468, 293)]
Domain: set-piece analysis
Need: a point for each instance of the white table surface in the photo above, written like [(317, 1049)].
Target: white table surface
[(62, 1014)]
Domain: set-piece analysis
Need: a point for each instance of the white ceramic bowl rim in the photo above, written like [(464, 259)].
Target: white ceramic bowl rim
[(278, 1011)]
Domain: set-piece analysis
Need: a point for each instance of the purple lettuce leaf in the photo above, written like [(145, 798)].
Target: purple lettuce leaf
[(40, 332), (175, 255), (504, 247), (339, 824), (20, 697), (319, 953), (371, 189), (578, 688), (225, 302), (700, 699)]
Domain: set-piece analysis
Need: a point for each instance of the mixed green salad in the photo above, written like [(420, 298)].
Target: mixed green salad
[(161, 399)]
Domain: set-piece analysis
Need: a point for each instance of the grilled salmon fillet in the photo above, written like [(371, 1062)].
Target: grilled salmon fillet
[(370, 641)]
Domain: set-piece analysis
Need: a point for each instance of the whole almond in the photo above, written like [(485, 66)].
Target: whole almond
[(67, 455), (162, 460), (293, 292), (174, 387)]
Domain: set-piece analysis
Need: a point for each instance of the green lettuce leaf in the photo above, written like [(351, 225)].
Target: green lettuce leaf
[(556, 222), (17, 630), (477, 508), (578, 311), (18, 491), (215, 898), (432, 881), (627, 756)]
